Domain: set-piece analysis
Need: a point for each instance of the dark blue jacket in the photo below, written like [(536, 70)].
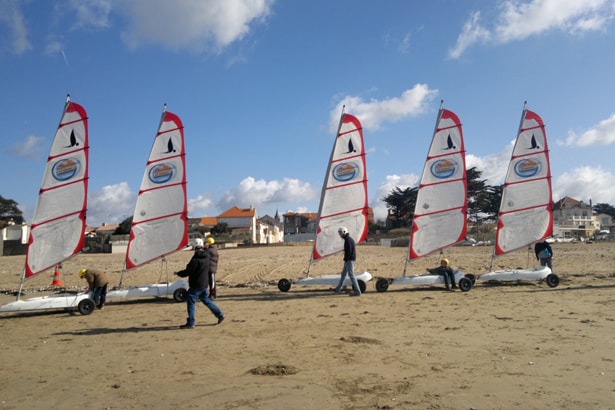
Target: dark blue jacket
[(350, 249), (197, 270)]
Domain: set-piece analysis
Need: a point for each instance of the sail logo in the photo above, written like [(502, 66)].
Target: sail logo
[(65, 169), (345, 171), (161, 173), (527, 168), (443, 168)]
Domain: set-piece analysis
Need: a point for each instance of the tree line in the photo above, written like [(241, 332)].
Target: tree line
[(483, 201)]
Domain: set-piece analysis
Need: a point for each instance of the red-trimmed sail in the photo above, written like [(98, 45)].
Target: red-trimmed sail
[(160, 221), (343, 200), (440, 214), (58, 224), (526, 211)]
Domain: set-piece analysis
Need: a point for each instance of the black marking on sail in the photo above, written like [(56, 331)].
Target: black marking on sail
[(350, 147), (170, 147), (73, 140), (449, 143), (534, 143)]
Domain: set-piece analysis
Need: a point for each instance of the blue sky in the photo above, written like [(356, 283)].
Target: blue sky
[(259, 86)]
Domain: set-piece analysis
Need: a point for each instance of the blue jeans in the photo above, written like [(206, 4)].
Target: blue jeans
[(349, 269), (547, 262), (100, 295), (449, 279), (202, 295)]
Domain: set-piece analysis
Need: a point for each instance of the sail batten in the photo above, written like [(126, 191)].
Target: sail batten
[(160, 220), (526, 213), (58, 224), (344, 197), (440, 214)]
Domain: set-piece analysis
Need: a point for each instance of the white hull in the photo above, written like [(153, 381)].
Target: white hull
[(331, 280), (427, 279), (46, 302), (538, 273), (154, 290)]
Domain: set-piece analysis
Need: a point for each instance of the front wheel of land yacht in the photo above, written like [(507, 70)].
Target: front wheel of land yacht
[(382, 285), (552, 280), (362, 286), (465, 284), (86, 306), (284, 285), (180, 295)]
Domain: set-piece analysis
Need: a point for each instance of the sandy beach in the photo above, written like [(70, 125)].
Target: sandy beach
[(498, 346)]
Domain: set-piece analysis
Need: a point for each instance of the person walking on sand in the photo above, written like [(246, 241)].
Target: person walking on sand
[(445, 270), (350, 256), (97, 283), (213, 265), (197, 271), (544, 254)]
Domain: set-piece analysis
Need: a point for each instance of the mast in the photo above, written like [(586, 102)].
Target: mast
[(160, 219), (440, 214), (526, 215), (58, 225), (323, 190)]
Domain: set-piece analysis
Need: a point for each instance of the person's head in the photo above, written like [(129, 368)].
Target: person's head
[(444, 262), (342, 231), (198, 243), (209, 241), (82, 273)]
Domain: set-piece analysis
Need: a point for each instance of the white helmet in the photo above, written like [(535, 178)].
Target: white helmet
[(343, 230), (198, 243)]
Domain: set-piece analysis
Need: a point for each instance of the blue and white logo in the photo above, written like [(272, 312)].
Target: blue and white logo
[(65, 169), (161, 173), (527, 167), (443, 168), (345, 171)]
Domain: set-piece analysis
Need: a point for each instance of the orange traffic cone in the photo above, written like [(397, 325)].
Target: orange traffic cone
[(56, 278)]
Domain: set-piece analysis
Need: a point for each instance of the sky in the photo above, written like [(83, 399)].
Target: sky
[(260, 86)]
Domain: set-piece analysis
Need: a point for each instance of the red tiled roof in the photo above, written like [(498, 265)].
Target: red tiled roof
[(209, 221), (236, 212)]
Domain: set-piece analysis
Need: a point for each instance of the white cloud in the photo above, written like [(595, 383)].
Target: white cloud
[(255, 193), (91, 13), (194, 24), (111, 204), (601, 134), (385, 188), (493, 166), (197, 206), (373, 113), (471, 33), (585, 183), (32, 147), (519, 20), (16, 36)]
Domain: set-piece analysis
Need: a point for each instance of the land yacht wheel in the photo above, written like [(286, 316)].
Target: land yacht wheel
[(180, 295), (552, 280), (362, 285), (382, 285), (472, 278), (284, 285), (86, 306), (465, 284)]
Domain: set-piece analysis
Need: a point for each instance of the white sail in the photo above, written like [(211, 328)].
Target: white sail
[(440, 214), (344, 200), (526, 212), (160, 221), (58, 224)]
